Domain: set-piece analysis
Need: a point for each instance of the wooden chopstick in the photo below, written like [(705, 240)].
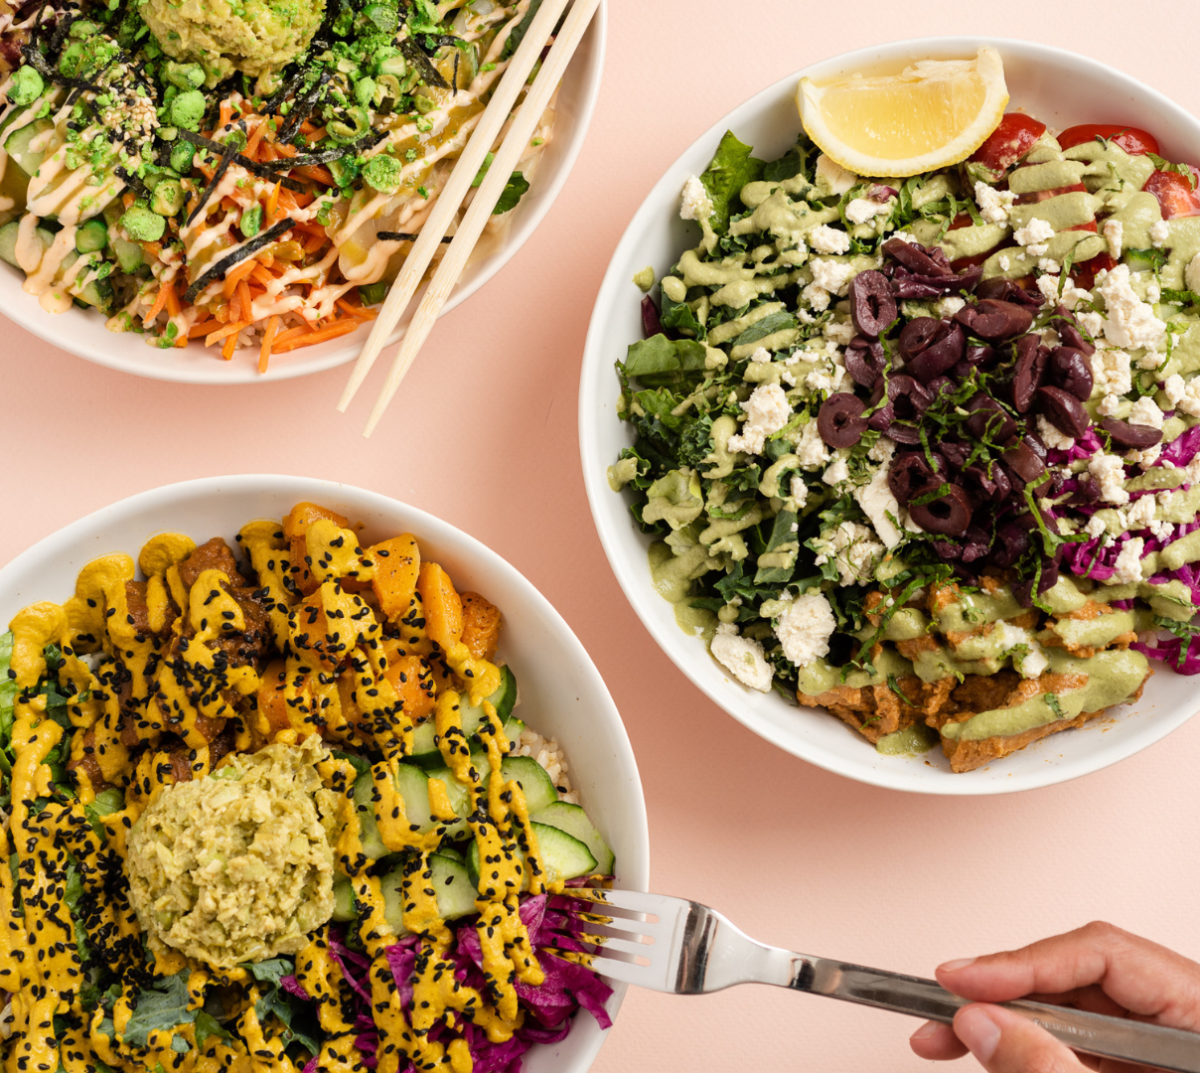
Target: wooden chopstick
[(469, 230), (495, 115)]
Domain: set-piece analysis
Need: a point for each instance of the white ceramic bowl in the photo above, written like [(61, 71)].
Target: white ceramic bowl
[(1059, 88), (561, 693), (82, 332)]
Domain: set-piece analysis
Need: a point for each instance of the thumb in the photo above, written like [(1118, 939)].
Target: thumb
[(1006, 1042)]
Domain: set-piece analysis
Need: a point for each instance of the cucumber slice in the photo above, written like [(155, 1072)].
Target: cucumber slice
[(563, 856), (91, 236), (534, 781), (425, 751), (8, 242), (343, 899), (364, 800), (451, 883), (129, 254), (574, 821), (16, 145)]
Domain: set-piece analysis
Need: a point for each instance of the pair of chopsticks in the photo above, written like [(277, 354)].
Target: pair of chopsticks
[(496, 114)]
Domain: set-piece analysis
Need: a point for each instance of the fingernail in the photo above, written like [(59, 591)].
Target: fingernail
[(954, 966), (928, 1029), (978, 1031)]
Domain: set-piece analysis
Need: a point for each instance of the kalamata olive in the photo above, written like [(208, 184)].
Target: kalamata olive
[(976, 545), (940, 354), (909, 398), (909, 471), (991, 479), (1023, 460), (941, 385), (1137, 436), (872, 306), (651, 324), (881, 419), (1062, 410), (950, 514), (1071, 336), (994, 320), (947, 550), (989, 420), (1012, 541), (916, 335), (1070, 370), (1087, 490), (917, 259), (1023, 591), (1028, 373), (1005, 290), (865, 360), (1036, 443), (840, 420), (954, 452), (903, 432)]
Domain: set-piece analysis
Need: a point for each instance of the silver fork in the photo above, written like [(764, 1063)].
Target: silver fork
[(669, 944)]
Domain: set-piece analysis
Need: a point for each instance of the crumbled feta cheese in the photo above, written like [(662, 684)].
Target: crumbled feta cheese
[(1114, 234), (906, 236), (852, 548), (1145, 458), (1048, 285), (805, 627), (1146, 412), (1160, 231), (1095, 527), (1141, 514), (697, 205), (838, 471), (1109, 471), (1089, 321), (1111, 370), (1005, 263), (836, 178), (816, 296), (948, 306), (761, 355), (1128, 566), (882, 450), (862, 209), (833, 276), (1052, 437), (1162, 531), (798, 491), (1009, 636), (742, 657), (810, 448), (1034, 663), (1050, 265), (1189, 401), (767, 411), (1035, 235), (840, 334), (994, 205), (1130, 322), (1151, 360), (878, 503), (1109, 405), (826, 239)]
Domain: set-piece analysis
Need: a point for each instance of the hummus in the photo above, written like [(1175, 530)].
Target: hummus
[(237, 866), (257, 37)]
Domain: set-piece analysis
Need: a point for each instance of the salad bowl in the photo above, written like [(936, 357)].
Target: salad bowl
[(1060, 88), (561, 690), (83, 332)]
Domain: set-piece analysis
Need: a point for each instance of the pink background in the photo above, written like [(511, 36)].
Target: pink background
[(484, 435)]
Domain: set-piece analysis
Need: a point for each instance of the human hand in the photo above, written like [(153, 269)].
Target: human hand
[(1097, 967)]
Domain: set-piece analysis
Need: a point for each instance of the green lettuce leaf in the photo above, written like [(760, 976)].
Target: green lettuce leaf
[(658, 355), (514, 190), (163, 1005), (732, 168)]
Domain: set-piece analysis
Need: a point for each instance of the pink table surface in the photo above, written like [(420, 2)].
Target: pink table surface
[(484, 435)]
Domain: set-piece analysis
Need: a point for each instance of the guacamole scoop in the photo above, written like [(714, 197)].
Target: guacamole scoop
[(256, 37), (236, 866)]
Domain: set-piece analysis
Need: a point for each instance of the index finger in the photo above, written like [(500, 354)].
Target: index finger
[(1147, 979)]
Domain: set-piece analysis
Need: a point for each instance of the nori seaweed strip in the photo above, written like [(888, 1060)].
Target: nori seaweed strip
[(404, 236), (248, 249), (272, 103), (303, 106), (430, 74), (441, 39), (252, 166), (52, 74), (365, 142), (218, 175), (133, 182)]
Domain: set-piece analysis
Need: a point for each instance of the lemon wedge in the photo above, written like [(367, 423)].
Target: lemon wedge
[(934, 113)]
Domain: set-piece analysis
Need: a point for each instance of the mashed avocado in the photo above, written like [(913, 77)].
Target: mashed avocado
[(237, 866), (257, 37)]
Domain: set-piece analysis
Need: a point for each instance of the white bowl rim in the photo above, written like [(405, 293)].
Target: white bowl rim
[(634, 578), (635, 865), (244, 371)]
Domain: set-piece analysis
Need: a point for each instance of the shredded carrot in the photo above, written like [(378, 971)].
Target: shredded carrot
[(127, 198), (266, 259), (264, 355), (203, 328), (273, 203), (226, 113), (356, 311), (252, 145), (320, 335), (160, 301), (172, 300), (318, 173), (247, 305), (236, 275), (229, 347), (228, 332), (261, 275), (315, 135)]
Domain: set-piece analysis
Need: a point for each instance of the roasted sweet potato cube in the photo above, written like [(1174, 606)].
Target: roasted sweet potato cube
[(442, 605), (272, 702), (481, 625), (413, 681), (295, 525), (397, 563)]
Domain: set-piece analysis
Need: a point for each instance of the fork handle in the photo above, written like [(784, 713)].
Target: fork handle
[(1092, 1033)]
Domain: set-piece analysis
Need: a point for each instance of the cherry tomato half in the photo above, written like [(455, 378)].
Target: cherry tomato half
[(1084, 274), (1134, 141), (1010, 141), (1175, 194)]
